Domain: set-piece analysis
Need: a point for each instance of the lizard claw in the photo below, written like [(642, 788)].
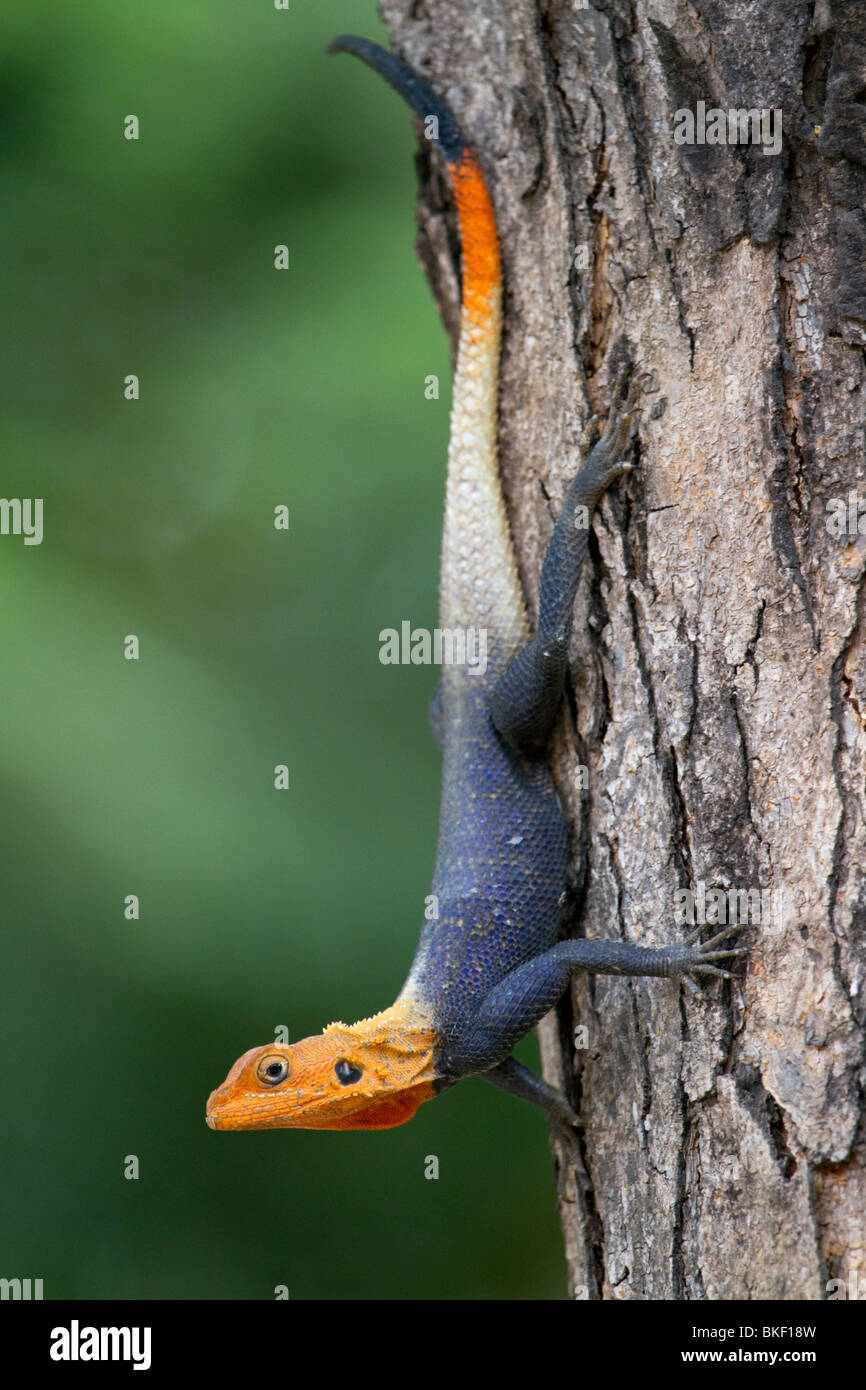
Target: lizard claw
[(569, 1160), (704, 955), (714, 940), (591, 431), (623, 411)]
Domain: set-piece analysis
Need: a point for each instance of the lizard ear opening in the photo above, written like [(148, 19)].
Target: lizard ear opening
[(347, 1073)]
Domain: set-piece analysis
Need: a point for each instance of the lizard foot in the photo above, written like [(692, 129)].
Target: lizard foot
[(624, 410), (699, 959), (569, 1159)]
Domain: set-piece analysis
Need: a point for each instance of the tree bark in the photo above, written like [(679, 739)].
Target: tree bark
[(719, 660)]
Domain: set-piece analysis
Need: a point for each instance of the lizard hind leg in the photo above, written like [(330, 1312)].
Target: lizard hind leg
[(524, 702), (565, 1125)]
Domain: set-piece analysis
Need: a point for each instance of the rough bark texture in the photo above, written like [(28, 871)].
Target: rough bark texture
[(719, 662)]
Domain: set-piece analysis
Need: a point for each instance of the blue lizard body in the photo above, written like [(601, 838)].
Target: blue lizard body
[(501, 862)]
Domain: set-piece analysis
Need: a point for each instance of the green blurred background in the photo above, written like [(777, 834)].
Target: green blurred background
[(258, 908)]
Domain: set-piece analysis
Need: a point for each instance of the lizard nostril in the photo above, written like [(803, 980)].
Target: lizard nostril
[(214, 1099)]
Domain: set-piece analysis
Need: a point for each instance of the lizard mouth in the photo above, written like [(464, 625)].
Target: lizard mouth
[(214, 1113)]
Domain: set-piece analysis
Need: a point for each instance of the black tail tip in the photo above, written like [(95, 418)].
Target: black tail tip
[(411, 86), (351, 43)]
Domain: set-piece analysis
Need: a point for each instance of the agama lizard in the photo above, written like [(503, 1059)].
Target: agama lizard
[(488, 964)]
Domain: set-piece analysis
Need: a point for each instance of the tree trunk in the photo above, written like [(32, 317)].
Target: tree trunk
[(719, 660)]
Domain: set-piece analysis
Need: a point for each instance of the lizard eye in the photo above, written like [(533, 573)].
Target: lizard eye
[(346, 1073), (272, 1070)]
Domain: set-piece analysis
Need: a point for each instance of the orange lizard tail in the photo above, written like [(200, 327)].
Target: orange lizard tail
[(480, 587)]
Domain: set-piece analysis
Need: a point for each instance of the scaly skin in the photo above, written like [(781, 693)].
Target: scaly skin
[(488, 967)]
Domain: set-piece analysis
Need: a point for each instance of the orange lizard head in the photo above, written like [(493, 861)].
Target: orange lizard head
[(372, 1075)]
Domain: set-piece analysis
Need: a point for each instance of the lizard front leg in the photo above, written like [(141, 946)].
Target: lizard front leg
[(526, 994), (525, 700)]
